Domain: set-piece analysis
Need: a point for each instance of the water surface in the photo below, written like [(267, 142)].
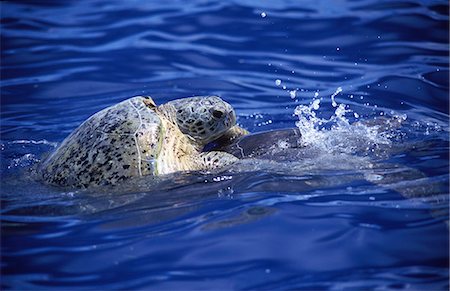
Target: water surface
[(365, 207)]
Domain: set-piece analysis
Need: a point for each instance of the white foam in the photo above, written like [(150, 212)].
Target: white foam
[(336, 135), (42, 141), (24, 161)]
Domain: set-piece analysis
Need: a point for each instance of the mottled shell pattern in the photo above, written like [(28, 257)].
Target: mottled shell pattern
[(137, 138), (118, 142)]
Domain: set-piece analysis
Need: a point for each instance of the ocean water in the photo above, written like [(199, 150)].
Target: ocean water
[(362, 204)]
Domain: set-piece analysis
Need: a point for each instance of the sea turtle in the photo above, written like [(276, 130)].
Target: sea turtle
[(136, 138), (282, 152), (272, 145)]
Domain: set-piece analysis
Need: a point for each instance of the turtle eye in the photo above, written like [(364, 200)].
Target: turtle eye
[(217, 114)]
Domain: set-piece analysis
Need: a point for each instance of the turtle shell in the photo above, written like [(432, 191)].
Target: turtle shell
[(117, 143)]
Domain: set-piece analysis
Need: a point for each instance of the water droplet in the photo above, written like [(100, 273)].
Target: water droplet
[(333, 102), (263, 14), (316, 104), (293, 93), (278, 82)]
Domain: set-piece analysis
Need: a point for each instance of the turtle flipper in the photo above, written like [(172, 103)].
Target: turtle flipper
[(214, 160), (234, 133), (226, 139)]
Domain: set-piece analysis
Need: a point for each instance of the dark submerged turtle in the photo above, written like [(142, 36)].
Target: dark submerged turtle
[(282, 152)]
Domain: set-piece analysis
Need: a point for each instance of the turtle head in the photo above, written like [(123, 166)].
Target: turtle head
[(203, 118)]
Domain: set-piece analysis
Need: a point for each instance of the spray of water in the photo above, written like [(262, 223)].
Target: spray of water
[(336, 135)]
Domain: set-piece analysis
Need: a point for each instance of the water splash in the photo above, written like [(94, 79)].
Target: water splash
[(24, 161), (23, 153), (337, 135), (333, 101)]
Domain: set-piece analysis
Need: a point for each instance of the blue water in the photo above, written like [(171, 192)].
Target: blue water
[(323, 225)]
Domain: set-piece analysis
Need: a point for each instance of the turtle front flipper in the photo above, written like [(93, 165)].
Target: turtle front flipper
[(228, 138), (235, 132), (215, 160)]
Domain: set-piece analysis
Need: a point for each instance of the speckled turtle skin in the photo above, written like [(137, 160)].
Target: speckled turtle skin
[(137, 138)]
